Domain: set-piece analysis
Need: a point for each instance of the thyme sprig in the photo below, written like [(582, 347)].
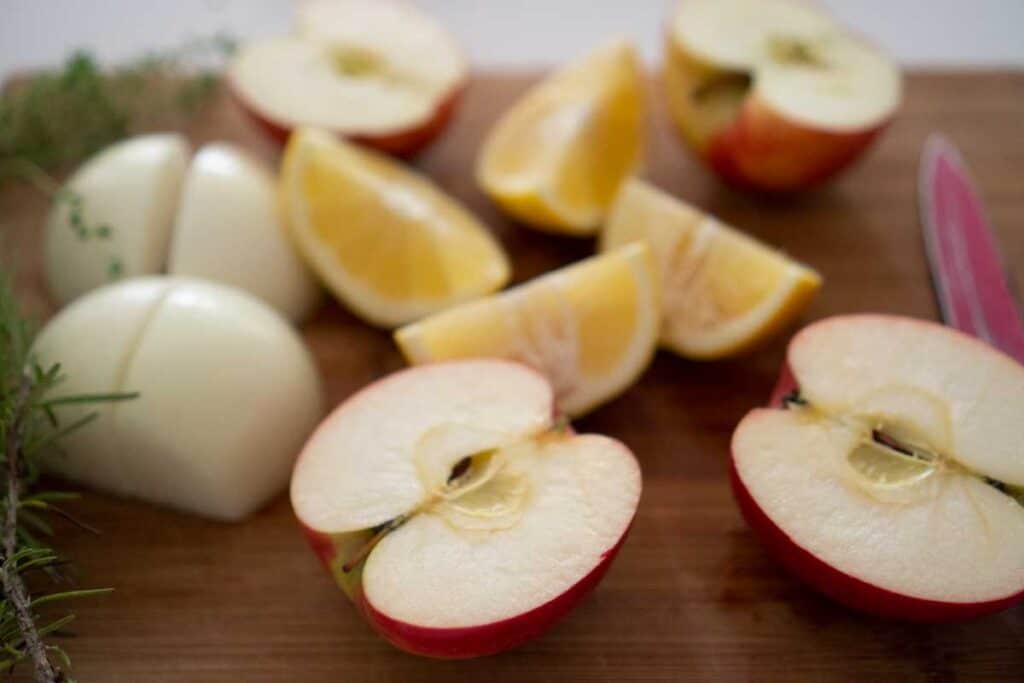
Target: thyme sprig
[(64, 115), (29, 426)]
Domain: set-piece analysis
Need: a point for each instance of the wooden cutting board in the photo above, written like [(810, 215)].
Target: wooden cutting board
[(692, 595)]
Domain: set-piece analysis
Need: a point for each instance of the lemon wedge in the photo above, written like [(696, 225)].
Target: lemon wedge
[(591, 328), (556, 159), (384, 239), (722, 291)]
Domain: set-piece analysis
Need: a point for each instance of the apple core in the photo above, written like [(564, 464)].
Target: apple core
[(456, 511), (356, 61), (893, 453)]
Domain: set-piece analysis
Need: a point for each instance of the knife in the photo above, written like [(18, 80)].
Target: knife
[(970, 284)]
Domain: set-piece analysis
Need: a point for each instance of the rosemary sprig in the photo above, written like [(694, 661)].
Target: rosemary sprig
[(29, 425), (53, 119)]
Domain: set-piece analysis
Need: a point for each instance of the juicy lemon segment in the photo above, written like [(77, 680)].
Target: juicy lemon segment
[(591, 328), (722, 292), (384, 239), (556, 159)]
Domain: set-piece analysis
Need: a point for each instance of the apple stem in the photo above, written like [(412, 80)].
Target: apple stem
[(793, 398), (383, 530), (461, 477), (460, 473), (372, 542)]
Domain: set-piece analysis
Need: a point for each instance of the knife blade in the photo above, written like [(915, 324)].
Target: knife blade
[(971, 286)]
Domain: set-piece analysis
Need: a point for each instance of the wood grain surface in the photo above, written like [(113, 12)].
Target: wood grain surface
[(692, 595)]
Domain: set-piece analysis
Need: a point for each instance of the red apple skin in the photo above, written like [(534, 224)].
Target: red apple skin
[(321, 544), (404, 143), (763, 152), (848, 590), (488, 639), (460, 643), (467, 642), (756, 150), (826, 579)]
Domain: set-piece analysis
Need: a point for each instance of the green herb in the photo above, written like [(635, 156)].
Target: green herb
[(29, 426), (62, 116), (50, 120), (58, 195)]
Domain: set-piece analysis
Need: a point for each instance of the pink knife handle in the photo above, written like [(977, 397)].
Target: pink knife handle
[(972, 289)]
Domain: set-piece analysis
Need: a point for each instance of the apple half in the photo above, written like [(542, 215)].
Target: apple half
[(771, 94), (380, 72), (454, 510), (889, 475)]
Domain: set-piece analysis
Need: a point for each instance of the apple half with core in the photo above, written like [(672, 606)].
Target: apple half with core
[(771, 94), (380, 72), (456, 512), (889, 474)]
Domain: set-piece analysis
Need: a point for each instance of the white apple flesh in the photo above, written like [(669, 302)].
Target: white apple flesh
[(379, 72), (893, 480), (228, 229), (453, 513), (771, 94)]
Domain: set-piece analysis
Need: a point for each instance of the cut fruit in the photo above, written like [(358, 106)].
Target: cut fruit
[(722, 292), (556, 159), (891, 479), (380, 72), (385, 240), (591, 328), (454, 514), (771, 93)]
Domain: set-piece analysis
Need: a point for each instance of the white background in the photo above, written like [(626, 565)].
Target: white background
[(499, 33)]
